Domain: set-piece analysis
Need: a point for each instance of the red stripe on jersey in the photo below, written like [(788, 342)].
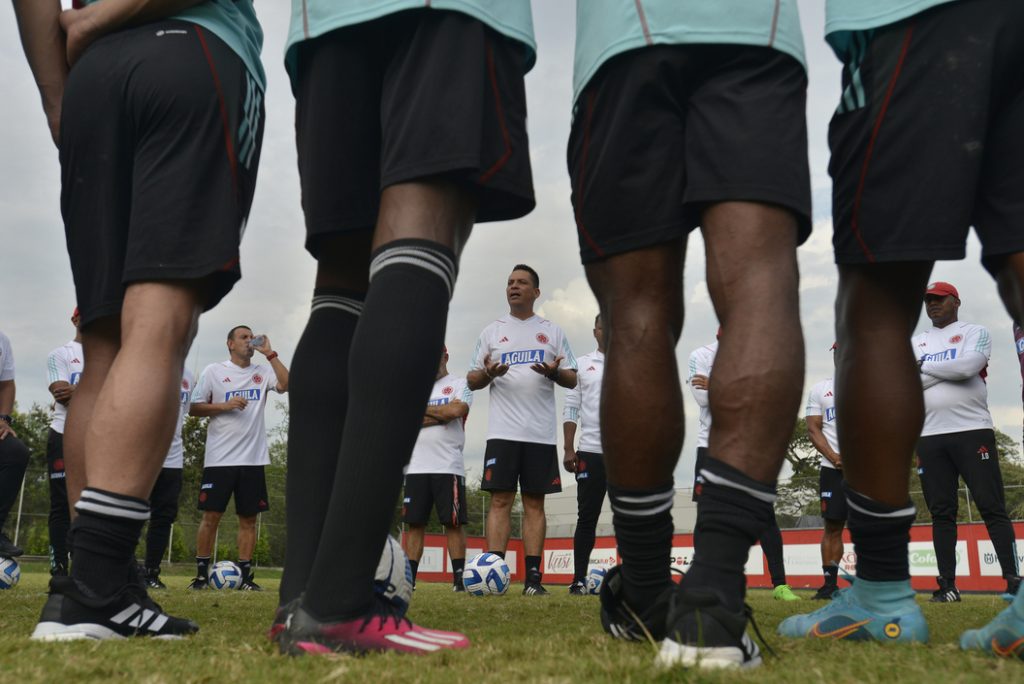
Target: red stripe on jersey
[(775, 23), (643, 22), (224, 119), (492, 76)]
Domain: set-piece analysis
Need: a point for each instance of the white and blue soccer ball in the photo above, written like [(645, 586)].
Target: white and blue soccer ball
[(10, 573), (486, 574), (225, 575), (393, 579), (595, 578)]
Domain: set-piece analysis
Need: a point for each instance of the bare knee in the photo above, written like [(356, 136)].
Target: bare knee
[(533, 504), (502, 501)]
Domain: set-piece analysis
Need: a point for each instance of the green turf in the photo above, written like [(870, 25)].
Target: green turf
[(515, 640)]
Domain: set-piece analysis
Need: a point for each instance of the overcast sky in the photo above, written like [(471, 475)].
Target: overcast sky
[(37, 296)]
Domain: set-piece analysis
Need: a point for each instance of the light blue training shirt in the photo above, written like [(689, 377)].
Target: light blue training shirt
[(843, 18)]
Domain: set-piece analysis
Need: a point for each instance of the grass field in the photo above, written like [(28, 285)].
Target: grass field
[(515, 639)]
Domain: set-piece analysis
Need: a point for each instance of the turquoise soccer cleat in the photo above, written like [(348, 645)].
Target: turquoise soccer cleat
[(868, 611), (1003, 636)]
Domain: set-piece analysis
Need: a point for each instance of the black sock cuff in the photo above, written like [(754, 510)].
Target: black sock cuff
[(717, 474), (423, 255), (335, 299), (111, 505), (641, 503), (868, 507)]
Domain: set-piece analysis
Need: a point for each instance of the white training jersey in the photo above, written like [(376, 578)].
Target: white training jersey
[(438, 449), (176, 454), (701, 361), (955, 363), (6, 359), (822, 402), (238, 437), (522, 407), (64, 363), (583, 402)]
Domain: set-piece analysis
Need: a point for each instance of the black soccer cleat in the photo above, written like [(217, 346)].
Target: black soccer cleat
[(946, 593), (622, 621), (703, 633), (457, 588), (532, 586), (9, 549), (71, 613), (825, 592), (199, 583), (249, 585), (577, 588), (151, 578), (281, 616)]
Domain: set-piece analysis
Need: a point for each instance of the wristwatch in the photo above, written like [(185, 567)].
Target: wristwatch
[(6, 418)]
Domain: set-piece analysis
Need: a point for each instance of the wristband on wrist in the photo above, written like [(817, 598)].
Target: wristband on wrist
[(271, 356), (553, 375), (6, 418)]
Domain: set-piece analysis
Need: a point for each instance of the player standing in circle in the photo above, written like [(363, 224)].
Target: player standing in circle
[(583, 408), (13, 452), (410, 128), (436, 475), (233, 394), (701, 361), (821, 428), (158, 114), (908, 71), (958, 439), (521, 356), (660, 91), (163, 501), (64, 367)]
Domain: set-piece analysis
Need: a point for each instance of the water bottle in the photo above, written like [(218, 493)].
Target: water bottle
[(257, 341)]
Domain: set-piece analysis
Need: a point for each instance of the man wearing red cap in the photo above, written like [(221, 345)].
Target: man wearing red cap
[(64, 368), (957, 439), (436, 474)]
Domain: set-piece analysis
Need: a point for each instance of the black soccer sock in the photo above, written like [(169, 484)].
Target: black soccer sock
[(881, 535), (643, 530), (415, 565), (831, 574), (458, 565), (733, 510), (318, 391), (771, 545), (499, 554), (533, 573), (203, 567), (246, 567), (104, 536), (393, 362)]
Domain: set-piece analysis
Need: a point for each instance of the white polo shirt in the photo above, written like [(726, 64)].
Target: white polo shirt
[(822, 402), (701, 361), (64, 363), (953, 375), (438, 448), (238, 437), (522, 406), (583, 402), (6, 359), (176, 454)]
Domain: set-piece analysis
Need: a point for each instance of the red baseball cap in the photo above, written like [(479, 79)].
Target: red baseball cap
[(942, 289), (74, 314), (835, 346)]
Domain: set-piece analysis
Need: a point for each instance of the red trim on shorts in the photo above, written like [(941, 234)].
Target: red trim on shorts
[(775, 23), (643, 22), (224, 119), (492, 75), (455, 501), (855, 218), (583, 171)]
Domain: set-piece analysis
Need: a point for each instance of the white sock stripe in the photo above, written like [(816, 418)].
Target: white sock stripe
[(346, 305), (725, 482), (901, 513), (643, 512), (110, 511), (412, 643), (446, 278), (400, 255), (93, 495), (650, 498)]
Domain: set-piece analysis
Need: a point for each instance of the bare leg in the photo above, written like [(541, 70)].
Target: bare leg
[(534, 524), (246, 537), (456, 537), (499, 520), (832, 542), (414, 542), (207, 533)]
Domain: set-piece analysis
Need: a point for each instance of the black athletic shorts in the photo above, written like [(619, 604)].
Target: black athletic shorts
[(661, 132), (247, 483), (833, 500), (527, 466), (445, 492), (414, 95), (928, 138), (160, 139)]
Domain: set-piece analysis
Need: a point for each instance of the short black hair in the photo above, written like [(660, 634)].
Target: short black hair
[(231, 333), (533, 274)]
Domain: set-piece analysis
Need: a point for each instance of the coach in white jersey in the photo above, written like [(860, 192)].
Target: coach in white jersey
[(583, 409), (64, 368), (522, 357), (13, 452), (163, 502), (234, 394), (702, 360), (958, 439), (821, 428), (436, 475)]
